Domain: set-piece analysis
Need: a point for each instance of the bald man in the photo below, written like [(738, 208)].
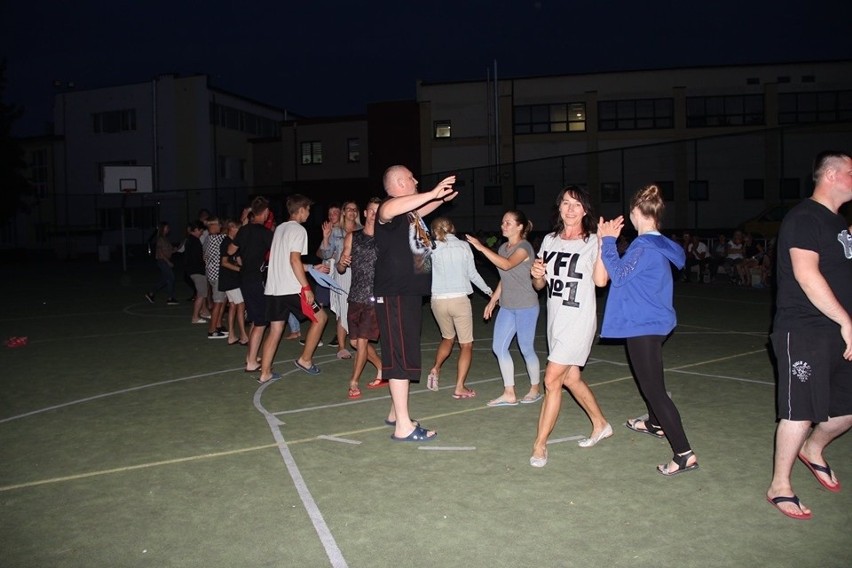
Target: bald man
[(812, 332), (403, 276)]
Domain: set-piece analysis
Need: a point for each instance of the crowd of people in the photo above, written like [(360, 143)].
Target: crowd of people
[(738, 259), (374, 275)]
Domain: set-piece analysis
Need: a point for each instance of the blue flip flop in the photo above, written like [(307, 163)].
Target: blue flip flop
[(274, 377), (419, 434), (312, 370)]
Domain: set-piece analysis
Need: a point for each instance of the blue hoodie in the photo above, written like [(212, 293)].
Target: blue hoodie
[(640, 298)]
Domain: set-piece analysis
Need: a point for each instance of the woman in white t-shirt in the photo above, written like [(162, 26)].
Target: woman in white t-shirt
[(569, 266)]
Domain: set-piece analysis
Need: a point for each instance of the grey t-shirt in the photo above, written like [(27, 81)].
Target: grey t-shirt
[(517, 290)]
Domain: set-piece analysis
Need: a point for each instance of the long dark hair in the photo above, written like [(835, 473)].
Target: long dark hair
[(590, 222)]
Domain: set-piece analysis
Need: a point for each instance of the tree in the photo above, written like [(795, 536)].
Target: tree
[(13, 184)]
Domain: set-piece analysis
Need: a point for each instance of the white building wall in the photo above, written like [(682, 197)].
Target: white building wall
[(724, 156)]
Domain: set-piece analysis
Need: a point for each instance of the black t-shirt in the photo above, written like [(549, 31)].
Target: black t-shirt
[(253, 241), (228, 278), (403, 257), (194, 263), (811, 226)]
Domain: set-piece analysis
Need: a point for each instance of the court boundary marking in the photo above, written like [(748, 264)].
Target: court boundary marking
[(377, 428)]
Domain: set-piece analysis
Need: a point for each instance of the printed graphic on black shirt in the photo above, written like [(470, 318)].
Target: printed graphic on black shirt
[(421, 244), (846, 240)]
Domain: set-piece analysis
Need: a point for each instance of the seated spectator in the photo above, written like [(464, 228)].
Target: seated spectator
[(750, 260), (717, 255), (734, 256), (696, 255)]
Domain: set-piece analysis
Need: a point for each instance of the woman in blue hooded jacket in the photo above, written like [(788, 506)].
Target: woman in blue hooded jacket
[(639, 309)]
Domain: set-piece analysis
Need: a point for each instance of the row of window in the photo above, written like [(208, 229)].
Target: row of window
[(699, 190), (311, 151), (658, 113), (242, 121), (114, 121)]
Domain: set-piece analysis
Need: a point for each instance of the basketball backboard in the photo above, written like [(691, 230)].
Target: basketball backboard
[(128, 179)]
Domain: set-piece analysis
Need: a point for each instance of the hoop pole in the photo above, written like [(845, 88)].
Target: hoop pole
[(123, 242)]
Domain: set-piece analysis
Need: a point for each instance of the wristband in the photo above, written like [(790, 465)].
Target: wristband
[(306, 288)]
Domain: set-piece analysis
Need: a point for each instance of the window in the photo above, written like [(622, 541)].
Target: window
[(733, 110), (353, 150), (827, 106), (231, 168), (561, 117), (242, 121), (636, 114), (525, 194), (611, 192), (667, 189), (443, 129), (493, 195), (752, 189), (699, 190), (312, 152), (224, 171), (790, 188), (114, 121), (39, 172)]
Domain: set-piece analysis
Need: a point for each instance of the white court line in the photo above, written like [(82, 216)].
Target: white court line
[(726, 377), (336, 439), (448, 448), (332, 550), (568, 439)]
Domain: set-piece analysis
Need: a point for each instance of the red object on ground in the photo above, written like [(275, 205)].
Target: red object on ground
[(13, 342)]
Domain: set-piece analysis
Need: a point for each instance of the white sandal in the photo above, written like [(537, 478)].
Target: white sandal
[(432, 381)]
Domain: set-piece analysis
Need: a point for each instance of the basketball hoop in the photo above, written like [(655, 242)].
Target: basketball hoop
[(127, 185)]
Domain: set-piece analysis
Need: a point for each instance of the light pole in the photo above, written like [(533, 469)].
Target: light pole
[(62, 87)]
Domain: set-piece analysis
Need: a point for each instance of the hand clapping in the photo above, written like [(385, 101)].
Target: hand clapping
[(611, 228)]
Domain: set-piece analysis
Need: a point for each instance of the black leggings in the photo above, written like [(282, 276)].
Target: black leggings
[(646, 357)]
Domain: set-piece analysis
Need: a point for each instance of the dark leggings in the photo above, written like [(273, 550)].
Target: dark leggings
[(646, 357)]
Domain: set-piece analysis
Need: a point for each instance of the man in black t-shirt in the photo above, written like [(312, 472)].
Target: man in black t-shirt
[(812, 332), (252, 243), (403, 276)]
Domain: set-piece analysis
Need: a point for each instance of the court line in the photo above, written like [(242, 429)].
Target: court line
[(330, 357), (377, 428), (332, 550)]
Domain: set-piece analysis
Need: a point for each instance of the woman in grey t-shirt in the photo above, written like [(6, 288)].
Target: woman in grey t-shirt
[(519, 303)]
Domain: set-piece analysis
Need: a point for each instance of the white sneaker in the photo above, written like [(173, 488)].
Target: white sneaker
[(217, 335)]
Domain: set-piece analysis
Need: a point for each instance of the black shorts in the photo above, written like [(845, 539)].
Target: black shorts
[(279, 308), (255, 302), (399, 324), (814, 380), (362, 321)]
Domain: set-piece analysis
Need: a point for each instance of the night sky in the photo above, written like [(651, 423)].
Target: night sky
[(321, 58)]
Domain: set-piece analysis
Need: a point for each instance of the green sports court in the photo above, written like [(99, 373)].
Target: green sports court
[(127, 438)]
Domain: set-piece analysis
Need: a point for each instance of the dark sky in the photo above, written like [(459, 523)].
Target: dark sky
[(322, 58)]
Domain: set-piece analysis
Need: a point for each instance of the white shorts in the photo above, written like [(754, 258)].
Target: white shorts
[(234, 296)]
